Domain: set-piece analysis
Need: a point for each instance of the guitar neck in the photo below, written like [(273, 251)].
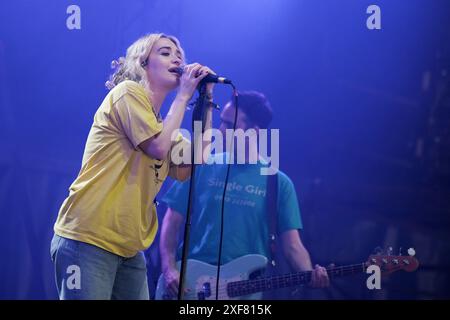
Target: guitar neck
[(245, 287)]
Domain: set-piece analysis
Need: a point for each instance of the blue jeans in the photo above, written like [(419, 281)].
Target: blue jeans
[(87, 272)]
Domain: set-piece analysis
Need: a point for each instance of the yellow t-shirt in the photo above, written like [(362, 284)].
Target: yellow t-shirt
[(110, 203)]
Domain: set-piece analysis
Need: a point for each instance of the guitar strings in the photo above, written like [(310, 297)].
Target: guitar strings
[(245, 287)]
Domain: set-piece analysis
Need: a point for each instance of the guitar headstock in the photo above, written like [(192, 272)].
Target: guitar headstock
[(389, 263)]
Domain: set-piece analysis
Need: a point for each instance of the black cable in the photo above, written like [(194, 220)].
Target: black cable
[(199, 113), (219, 259)]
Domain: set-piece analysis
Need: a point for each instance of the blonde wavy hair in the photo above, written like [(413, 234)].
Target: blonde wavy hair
[(132, 66)]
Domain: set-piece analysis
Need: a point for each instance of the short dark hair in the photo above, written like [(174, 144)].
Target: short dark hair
[(255, 106)]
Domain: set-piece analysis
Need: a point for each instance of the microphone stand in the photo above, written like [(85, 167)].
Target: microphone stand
[(199, 114)]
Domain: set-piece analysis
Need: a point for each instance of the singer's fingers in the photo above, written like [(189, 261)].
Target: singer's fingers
[(187, 67), (200, 77), (191, 69), (196, 69), (207, 70), (195, 72)]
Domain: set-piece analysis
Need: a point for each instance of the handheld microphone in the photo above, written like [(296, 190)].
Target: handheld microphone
[(208, 79)]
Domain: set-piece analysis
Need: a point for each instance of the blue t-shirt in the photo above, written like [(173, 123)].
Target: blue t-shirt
[(246, 229)]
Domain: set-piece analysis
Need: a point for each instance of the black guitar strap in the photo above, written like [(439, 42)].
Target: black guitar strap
[(278, 262), (272, 214)]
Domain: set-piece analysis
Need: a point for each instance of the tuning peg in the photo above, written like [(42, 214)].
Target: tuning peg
[(389, 251), (411, 252)]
